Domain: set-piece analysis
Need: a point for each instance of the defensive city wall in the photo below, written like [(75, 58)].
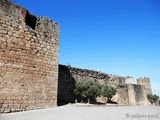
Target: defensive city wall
[(30, 76), (29, 48), (128, 92)]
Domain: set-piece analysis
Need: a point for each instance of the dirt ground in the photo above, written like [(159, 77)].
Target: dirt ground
[(72, 112)]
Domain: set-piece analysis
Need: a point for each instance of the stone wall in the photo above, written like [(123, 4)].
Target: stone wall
[(146, 82), (29, 48), (69, 76), (127, 92), (121, 96), (131, 94), (66, 85), (140, 95), (136, 94), (129, 80), (104, 78)]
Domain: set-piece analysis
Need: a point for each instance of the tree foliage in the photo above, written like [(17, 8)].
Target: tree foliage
[(94, 89), (109, 92), (89, 89), (81, 88), (152, 98)]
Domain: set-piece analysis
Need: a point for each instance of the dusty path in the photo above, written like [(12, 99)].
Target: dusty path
[(70, 112)]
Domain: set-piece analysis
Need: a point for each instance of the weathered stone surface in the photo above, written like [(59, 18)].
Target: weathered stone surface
[(28, 77), (129, 80), (146, 82), (29, 50), (127, 92)]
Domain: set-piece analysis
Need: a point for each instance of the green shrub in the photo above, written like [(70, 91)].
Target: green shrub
[(152, 98), (109, 92), (89, 89)]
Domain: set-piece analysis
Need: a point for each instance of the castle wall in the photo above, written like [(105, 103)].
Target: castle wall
[(129, 80), (127, 94), (28, 59), (69, 76), (29, 75), (137, 94), (66, 85), (121, 96), (146, 82), (106, 79), (131, 94), (140, 95)]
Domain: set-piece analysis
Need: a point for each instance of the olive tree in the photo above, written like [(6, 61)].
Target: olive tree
[(152, 98), (109, 92), (89, 89)]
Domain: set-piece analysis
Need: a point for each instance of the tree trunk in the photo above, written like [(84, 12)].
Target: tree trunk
[(109, 100)]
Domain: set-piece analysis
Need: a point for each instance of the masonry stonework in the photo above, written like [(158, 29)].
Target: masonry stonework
[(128, 93), (30, 76), (146, 82), (29, 48)]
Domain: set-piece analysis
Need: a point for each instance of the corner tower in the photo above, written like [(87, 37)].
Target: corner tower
[(146, 82), (29, 48)]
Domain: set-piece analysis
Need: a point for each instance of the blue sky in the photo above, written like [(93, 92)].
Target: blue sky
[(119, 37)]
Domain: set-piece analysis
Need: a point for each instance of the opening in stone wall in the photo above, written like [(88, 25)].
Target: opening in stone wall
[(29, 19)]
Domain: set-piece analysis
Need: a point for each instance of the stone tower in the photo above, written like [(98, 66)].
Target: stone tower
[(129, 80), (146, 82), (29, 48)]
